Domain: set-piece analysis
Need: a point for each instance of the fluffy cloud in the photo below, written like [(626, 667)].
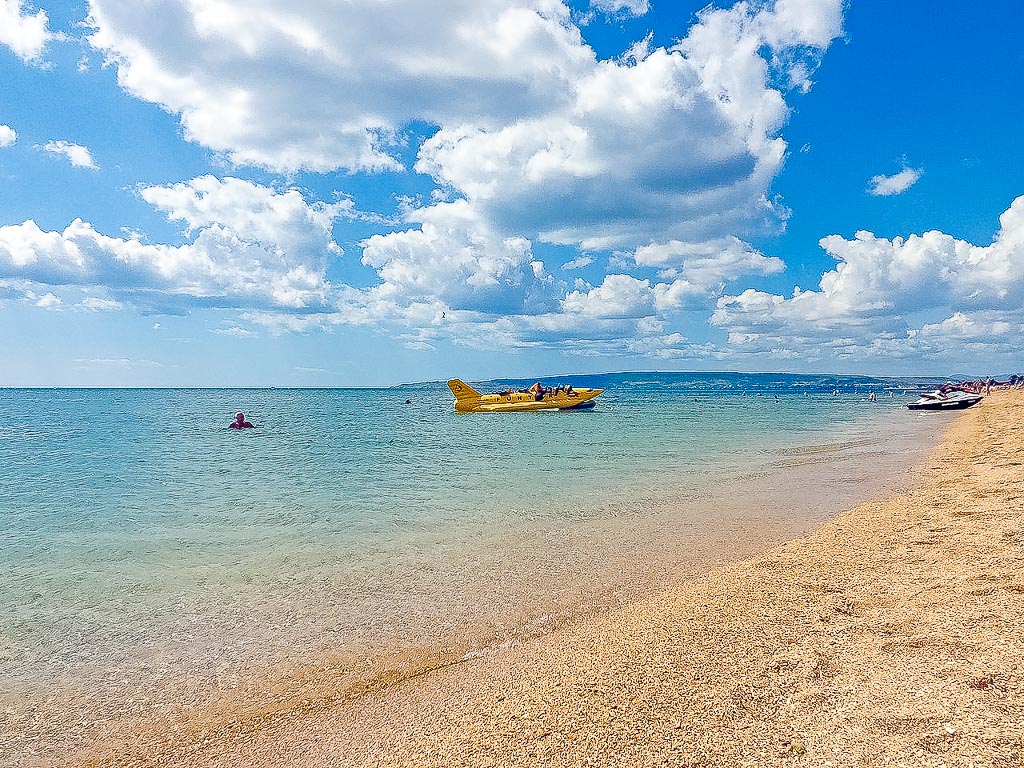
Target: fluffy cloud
[(896, 184), (97, 304), (628, 7), (538, 135), (251, 246), (623, 296), (454, 271), (7, 136), (666, 154), (295, 227), (680, 144), (578, 263), (970, 336), (24, 32), (619, 296), (709, 263), (76, 154), (880, 297), (455, 259), (49, 301), (321, 86)]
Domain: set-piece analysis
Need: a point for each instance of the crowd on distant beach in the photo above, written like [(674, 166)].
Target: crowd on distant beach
[(985, 386)]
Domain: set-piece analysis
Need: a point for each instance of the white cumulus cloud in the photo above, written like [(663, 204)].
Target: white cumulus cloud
[(667, 154), (250, 246), (578, 263), (321, 86), (262, 214), (7, 136), (98, 304), (883, 186), (455, 258), (24, 32), (542, 138), (628, 7), (710, 263), (76, 154), (879, 298), (679, 146), (49, 301), (619, 296)]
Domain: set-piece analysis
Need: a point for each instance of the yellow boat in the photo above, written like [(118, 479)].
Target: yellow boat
[(468, 400)]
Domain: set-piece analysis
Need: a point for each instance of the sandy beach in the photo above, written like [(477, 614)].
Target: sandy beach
[(891, 635)]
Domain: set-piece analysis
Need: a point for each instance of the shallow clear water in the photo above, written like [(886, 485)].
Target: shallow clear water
[(135, 526)]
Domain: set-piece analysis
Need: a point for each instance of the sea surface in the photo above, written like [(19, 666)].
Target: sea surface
[(155, 561)]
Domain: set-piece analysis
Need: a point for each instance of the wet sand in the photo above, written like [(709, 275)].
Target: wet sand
[(890, 635)]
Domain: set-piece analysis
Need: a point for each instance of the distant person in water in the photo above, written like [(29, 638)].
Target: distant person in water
[(240, 422)]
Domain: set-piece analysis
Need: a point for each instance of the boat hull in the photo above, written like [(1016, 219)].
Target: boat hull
[(468, 400), (950, 404)]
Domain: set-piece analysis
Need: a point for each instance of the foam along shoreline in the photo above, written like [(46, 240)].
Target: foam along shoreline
[(893, 634)]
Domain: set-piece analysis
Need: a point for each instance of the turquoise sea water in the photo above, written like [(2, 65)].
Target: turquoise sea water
[(139, 535)]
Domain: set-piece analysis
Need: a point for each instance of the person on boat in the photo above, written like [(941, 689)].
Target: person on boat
[(538, 391), (240, 422)]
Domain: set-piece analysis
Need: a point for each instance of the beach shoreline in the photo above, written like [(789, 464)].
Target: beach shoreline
[(118, 679), (393, 712), (889, 635)]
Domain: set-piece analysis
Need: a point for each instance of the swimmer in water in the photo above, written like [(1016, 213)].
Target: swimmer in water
[(240, 422)]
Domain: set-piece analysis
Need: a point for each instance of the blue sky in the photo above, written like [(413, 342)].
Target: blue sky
[(313, 193)]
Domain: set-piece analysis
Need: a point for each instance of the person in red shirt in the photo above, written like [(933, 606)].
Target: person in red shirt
[(240, 422)]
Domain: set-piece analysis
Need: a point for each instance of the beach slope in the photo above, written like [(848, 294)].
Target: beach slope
[(892, 635)]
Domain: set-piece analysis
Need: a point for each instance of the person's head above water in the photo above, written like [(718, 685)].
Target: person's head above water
[(240, 422)]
